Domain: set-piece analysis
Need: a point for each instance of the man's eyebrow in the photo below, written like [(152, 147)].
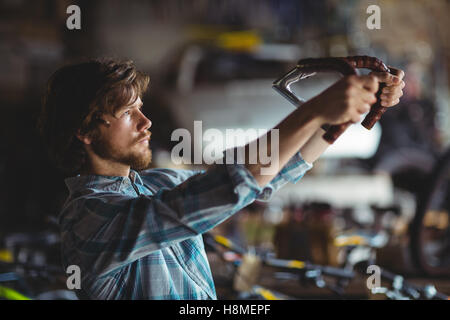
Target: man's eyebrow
[(131, 106)]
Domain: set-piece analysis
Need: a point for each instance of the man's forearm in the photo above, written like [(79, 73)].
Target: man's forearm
[(294, 132), (314, 147)]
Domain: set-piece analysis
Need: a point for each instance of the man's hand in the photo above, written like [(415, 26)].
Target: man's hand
[(346, 100), (391, 94), (394, 86)]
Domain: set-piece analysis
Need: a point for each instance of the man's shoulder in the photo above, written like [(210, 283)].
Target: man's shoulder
[(87, 201), (166, 177)]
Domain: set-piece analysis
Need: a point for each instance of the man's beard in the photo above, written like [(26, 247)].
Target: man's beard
[(136, 160)]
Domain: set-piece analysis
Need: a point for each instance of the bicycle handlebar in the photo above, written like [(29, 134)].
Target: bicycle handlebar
[(344, 65), (286, 264), (399, 284)]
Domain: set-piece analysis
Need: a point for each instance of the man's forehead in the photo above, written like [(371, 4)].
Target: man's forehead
[(136, 103)]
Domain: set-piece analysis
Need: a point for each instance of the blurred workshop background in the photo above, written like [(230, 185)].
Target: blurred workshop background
[(215, 61)]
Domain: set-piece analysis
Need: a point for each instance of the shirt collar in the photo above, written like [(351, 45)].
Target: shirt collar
[(106, 183)]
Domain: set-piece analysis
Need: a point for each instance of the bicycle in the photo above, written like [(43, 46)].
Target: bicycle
[(243, 283), (28, 270), (305, 273), (430, 228), (361, 249), (401, 289)]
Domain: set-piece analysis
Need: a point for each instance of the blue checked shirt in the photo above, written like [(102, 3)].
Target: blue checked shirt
[(140, 237)]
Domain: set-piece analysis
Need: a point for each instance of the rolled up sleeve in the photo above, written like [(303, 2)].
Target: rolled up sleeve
[(292, 172)]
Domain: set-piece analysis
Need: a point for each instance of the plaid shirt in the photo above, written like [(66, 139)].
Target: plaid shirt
[(140, 237)]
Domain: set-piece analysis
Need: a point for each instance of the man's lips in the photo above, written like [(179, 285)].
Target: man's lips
[(146, 138)]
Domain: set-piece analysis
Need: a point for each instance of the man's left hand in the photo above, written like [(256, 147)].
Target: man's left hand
[(391, 94)]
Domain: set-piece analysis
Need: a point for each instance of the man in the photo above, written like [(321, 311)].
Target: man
[(137, 233)]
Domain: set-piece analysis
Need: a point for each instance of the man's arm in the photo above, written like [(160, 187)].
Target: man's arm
[(315, 146), (104, 231), (345, 101)]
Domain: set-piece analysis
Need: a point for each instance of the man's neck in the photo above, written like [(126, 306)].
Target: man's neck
[(107, 169)]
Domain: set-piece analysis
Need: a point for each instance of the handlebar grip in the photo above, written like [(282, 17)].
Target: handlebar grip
[(335, 131), (376, 110)]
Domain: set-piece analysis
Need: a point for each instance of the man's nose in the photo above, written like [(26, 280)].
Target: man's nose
[(144, 123)]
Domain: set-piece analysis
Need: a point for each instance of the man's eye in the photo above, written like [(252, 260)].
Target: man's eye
[(127, 113)]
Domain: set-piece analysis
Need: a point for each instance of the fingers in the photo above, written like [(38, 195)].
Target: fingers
[(368, 82), (366, 96), (394, 77), (397, 72), (392, 92), (356, 118), (360, 105), (387, 78), (364, 92), (364, 108), (394, 89), (394, 84), (388, 100)]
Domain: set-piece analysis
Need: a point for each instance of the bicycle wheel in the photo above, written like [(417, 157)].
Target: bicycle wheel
[(430, 228)]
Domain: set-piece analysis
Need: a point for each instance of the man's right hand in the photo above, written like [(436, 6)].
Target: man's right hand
[(346, 100)]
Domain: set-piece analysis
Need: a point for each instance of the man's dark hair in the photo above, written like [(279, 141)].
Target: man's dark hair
[(76, 97)]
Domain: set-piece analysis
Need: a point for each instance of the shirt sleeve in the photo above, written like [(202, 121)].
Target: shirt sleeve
[(292, 172), (107, 230), (102, 231)]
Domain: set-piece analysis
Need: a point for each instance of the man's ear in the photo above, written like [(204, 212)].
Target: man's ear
[(84, 138)]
